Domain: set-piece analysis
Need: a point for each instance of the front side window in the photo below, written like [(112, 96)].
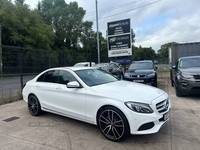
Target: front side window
[(93, 77), (65, 77)]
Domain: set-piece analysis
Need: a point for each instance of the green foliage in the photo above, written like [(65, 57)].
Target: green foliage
[(143, 53), (58, 27), (163, 52), (72, 33), (133, 36), (23, 27)]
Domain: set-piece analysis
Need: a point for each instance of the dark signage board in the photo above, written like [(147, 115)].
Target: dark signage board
[(119, 27), (122, 60), (119, 38), (119, 42)]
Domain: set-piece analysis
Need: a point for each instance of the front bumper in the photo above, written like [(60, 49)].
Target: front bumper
[(150, 80), (190, 86), (150, 123)]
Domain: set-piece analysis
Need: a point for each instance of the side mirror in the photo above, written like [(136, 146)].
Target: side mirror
[(156, 67), (174, 67), (73, 84)]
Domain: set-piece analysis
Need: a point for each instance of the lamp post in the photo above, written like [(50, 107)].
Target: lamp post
[(89, 33), (96, 3), (1, 64)]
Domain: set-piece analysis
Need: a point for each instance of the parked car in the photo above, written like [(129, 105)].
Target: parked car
[(185, 75), (94, 96), (142, 71), (113, 68), (84, 64)]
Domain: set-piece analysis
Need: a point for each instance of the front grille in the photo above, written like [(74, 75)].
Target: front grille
[(196, 76), (162, 106), (138, 76), (195, 89)]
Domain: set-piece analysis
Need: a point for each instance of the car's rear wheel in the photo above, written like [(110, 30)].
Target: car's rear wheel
[(113, 124), (34, 105)]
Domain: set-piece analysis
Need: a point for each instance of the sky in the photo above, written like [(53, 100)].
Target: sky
[(154, 22)]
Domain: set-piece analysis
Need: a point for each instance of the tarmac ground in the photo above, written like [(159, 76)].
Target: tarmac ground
[(19, 130)]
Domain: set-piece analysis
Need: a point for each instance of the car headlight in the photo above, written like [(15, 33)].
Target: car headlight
[(139, 107), (151, 75), (186, 75), (126, 75)]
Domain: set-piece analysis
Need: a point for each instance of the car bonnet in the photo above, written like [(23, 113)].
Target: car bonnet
[(128, 91)]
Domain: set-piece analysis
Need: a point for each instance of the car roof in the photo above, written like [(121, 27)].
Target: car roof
[(142, 61), (189, 57), (72, 68)]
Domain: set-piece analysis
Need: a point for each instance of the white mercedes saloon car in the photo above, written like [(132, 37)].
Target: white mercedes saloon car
[(94, 96)]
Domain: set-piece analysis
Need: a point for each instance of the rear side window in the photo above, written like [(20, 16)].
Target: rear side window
[(49, 76)]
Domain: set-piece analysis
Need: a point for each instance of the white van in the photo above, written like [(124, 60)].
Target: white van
[(84, 64)]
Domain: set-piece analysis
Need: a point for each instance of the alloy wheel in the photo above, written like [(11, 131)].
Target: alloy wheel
[(112, 124), (34, 105)]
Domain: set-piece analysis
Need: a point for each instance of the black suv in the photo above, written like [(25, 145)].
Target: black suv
[(113, 68), (185, 75), (142, 71)]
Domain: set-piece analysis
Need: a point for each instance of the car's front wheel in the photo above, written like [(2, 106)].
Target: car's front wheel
[(34, 105), (113, 124), (178, 92)]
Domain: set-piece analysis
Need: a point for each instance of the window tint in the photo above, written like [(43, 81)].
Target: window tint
[(41, 78), (93, 77), (141, 65), (65, 77), (51, 76), (114, 66)]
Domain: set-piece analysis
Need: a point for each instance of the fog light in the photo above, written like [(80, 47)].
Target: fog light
[(184, 84)]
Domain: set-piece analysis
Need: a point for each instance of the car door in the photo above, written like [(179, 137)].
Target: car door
[(45, 89), (115, 70), (69, 101)]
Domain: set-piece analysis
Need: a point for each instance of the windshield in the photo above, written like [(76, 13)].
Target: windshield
[(189, 62), (141, 65), (93, 77)]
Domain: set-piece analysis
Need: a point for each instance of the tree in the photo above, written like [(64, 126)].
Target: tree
[(133, 36), (23, 27), (70, 29), (143, 54), (20, 1), (163, 52)]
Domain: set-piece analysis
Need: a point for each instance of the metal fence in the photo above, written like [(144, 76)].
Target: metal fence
[(18, 65)]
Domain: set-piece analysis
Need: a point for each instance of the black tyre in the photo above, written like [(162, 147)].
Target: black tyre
[(113, 124), (122, 76), (172, 83), (155, 84), (34, 106), (178, 92)]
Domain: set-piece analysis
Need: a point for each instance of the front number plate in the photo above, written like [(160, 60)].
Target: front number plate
[(138, 80), (166, 115)]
